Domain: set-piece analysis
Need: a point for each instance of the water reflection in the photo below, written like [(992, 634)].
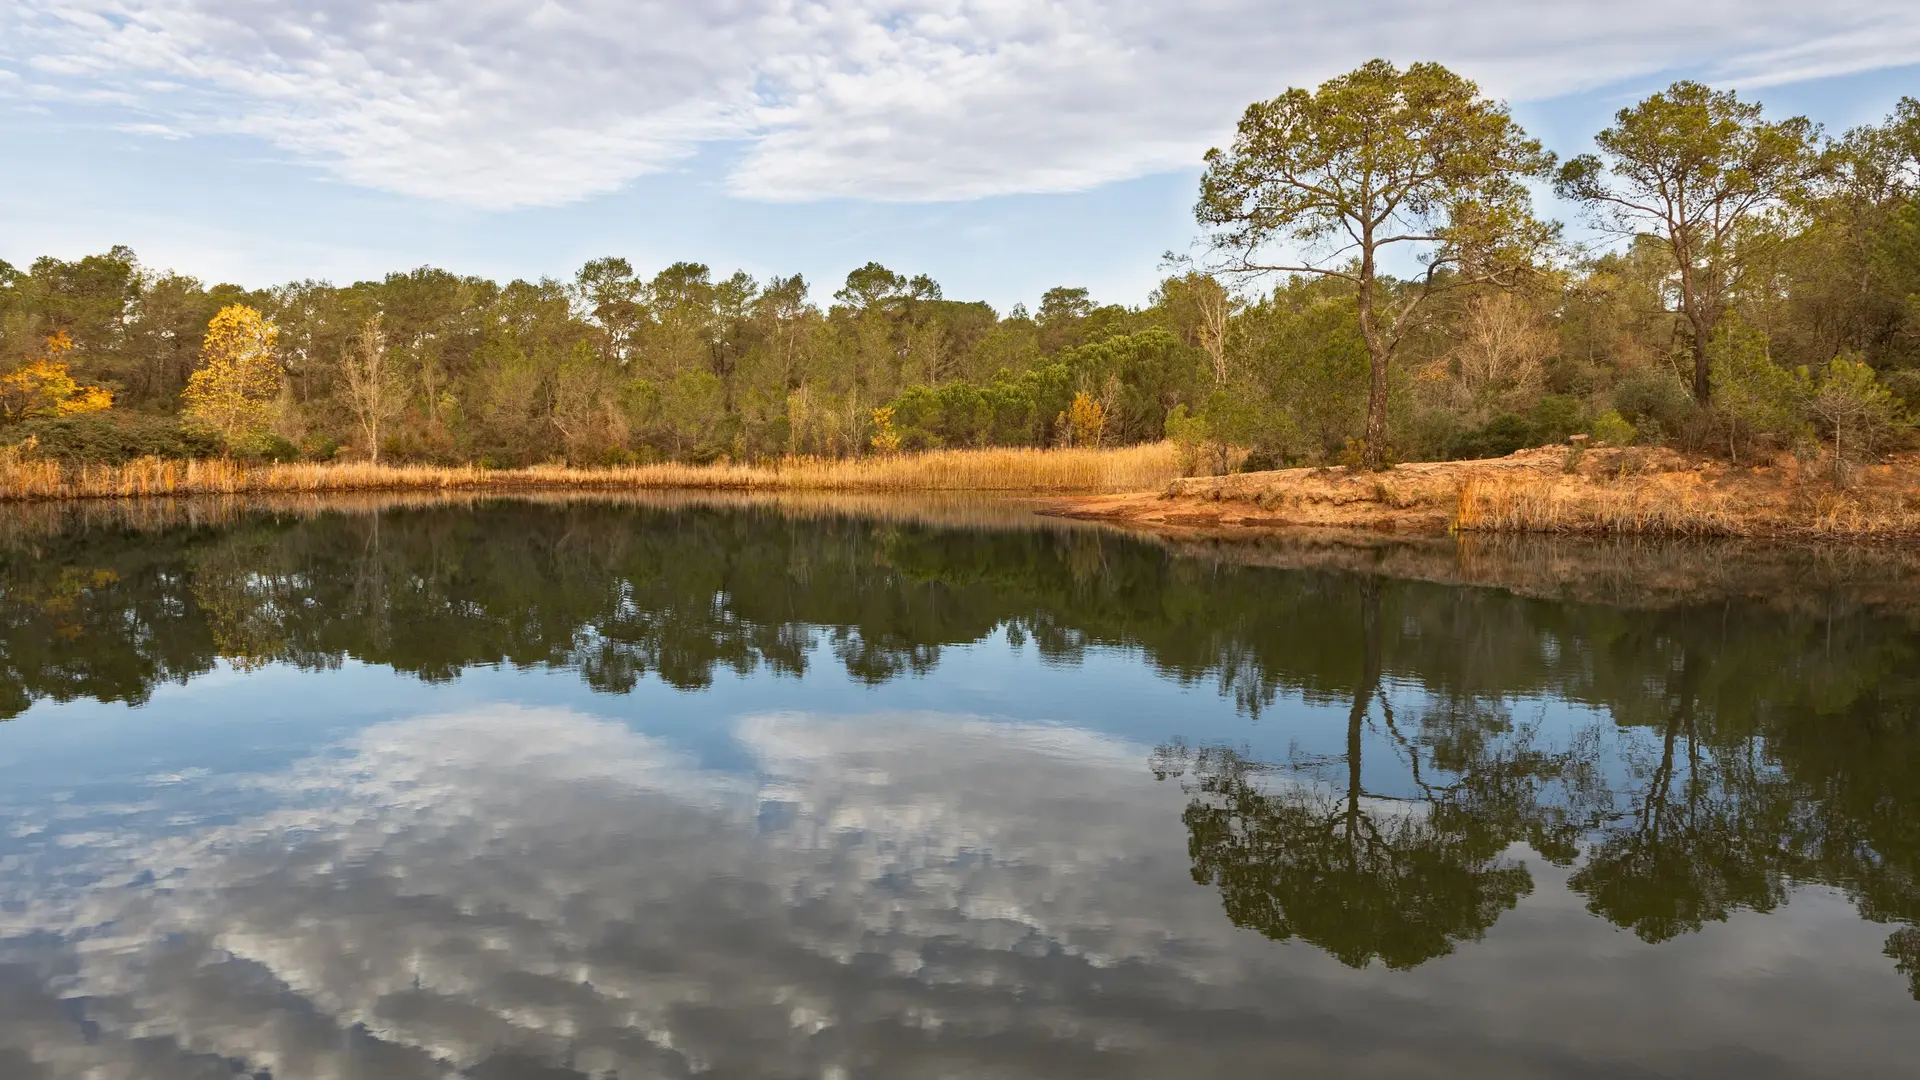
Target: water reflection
[(511, 891), (1363, 874), (1459, 798), (1703, 809)]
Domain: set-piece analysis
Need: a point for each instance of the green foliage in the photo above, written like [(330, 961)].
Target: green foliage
[(1701, 170), (1201, 453), (1612, 429), (114, 437), (1498, 437), (1304, 379), (1136, 378), (1655, 402), (1556, 416), (1759, 402), (267, 447), (1371, 159), (1855, 410), (1551, 420)]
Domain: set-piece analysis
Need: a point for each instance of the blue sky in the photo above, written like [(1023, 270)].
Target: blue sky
[(1003, 147)]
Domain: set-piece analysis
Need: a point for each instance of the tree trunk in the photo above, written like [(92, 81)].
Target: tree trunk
[(1702, 387), (1691, 305), (1379, 353)]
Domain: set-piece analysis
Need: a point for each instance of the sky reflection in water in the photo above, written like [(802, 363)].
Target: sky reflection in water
[(596, 790)]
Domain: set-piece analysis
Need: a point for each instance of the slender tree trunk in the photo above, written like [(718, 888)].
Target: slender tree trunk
[(1694, 309), (1213, 329), (1702, 334), (1379, 354)]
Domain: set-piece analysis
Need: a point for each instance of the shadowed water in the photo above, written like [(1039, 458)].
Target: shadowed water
[(584, 789)]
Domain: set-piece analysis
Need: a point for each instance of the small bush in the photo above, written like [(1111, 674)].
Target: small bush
[(112, 438), (1555, 417), (1856, 411), (1654, 402), (1193, 435), (1261, 459), (267, 448), (1499, 437), (1612, 428), (1353, 456), (320, 448)]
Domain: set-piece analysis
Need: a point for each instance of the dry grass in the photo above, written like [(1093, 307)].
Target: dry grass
[(1682, 498), (1654, 507), (1010, 470)]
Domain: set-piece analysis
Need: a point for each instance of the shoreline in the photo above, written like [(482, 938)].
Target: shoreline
[(1561, 490), (1556, 490)]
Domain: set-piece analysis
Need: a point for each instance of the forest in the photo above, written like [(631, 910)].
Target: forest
[(1371, 283)]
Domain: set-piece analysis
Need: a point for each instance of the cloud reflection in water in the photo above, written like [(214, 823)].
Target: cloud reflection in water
[(518, 892)]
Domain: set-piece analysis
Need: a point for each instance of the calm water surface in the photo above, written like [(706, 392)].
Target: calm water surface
[(591, 790)]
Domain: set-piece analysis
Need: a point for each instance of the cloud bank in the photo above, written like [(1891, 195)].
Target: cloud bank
[(506, 103)]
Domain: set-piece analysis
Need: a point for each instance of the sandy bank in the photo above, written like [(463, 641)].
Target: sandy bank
[(1598, 491)]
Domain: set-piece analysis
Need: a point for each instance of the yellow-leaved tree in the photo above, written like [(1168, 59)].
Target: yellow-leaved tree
[(1084, 423), (43, 387), (233, 392), (886, 439)]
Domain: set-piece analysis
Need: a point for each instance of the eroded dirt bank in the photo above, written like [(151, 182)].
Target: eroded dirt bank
[(1598, 491)]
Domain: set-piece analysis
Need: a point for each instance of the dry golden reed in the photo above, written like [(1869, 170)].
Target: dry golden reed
[(1546, 505), (1130, 468), (1681, 504)]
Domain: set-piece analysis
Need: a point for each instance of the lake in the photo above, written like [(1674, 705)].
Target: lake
[(671, 787)]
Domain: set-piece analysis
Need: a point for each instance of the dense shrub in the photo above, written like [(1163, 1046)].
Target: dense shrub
[(1498, 437), (1556, 416), (1550, 420), (112, 438), (1654, 402)]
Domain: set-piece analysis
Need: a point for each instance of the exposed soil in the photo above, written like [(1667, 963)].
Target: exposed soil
[(1559, 489)]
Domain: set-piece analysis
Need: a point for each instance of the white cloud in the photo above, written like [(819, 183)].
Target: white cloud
[(502, 103), (160, 131)]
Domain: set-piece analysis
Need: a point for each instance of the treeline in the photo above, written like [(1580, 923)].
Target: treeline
[(1779, 309)]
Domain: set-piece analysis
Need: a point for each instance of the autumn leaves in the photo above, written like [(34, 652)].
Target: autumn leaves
[(43, 386)]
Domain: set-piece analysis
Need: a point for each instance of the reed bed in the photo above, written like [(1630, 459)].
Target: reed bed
[(1553, 505), (1000, 470)]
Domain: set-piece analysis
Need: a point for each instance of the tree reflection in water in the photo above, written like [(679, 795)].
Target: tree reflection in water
[(1712, 808), (1749, 741)]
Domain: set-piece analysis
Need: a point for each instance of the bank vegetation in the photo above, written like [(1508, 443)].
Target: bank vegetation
[(1010, 471)]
